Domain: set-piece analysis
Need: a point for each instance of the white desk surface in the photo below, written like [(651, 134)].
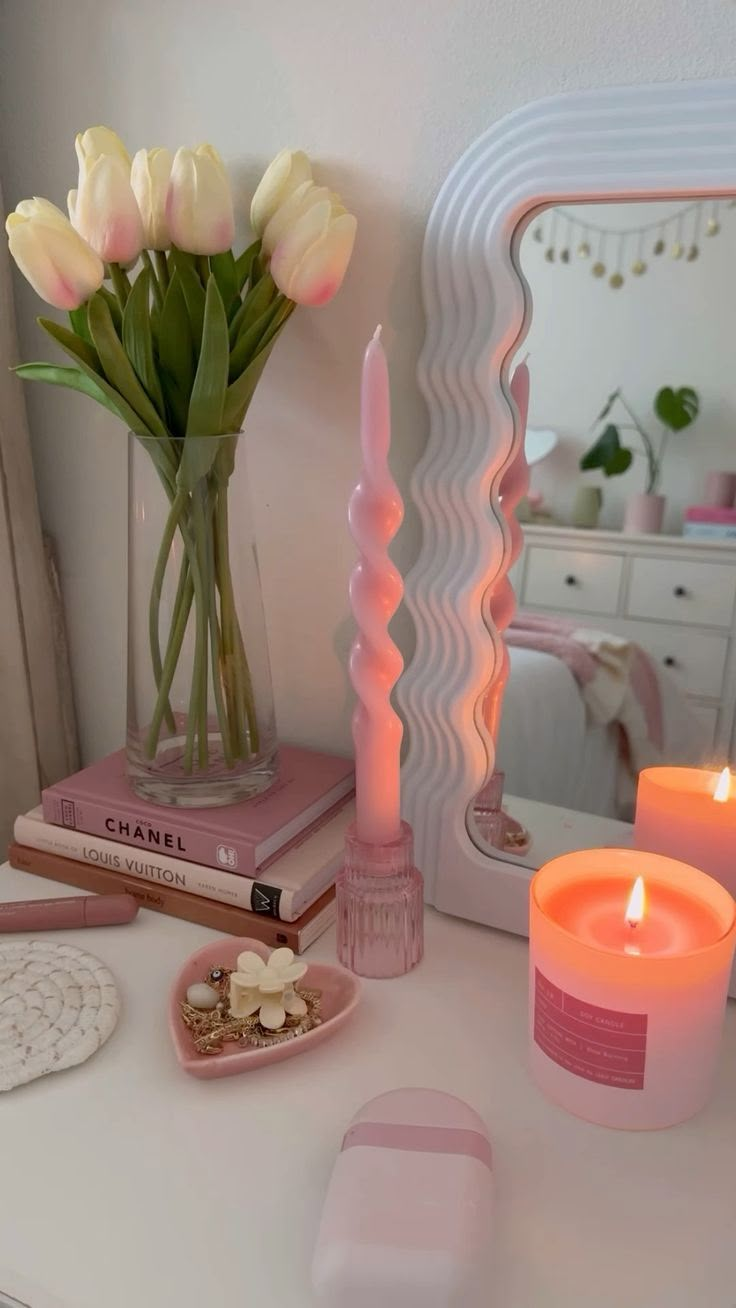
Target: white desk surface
[(125, 1182)]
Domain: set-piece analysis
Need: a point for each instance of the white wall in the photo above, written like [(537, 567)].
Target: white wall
[(386, 95), (673, 326)]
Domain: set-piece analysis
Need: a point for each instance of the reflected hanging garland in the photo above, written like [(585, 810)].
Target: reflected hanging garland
[(566, 238)]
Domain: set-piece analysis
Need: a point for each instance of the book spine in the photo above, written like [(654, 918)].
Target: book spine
[(241, 892), (129, 828), (161, 899), (709, 530)]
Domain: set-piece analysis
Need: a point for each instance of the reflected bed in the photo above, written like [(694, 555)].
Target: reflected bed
[(551, 751)]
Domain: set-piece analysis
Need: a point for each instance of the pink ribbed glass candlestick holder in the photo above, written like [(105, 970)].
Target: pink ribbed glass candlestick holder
[(380, 906)]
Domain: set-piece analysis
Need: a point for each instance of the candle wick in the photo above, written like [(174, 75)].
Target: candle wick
[(377, 333)]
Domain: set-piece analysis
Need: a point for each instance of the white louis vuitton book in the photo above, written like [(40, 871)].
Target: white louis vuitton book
[(292, 883)]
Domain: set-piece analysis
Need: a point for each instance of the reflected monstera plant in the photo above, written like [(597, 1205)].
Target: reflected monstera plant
[(675, 409)]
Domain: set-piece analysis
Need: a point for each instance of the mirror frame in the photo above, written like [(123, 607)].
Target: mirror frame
[(665, 141)]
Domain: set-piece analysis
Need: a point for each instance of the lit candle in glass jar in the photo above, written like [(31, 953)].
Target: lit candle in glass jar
[(630, 956), (689, 813)]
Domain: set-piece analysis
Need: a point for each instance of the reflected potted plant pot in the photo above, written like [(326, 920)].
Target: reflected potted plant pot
[(644, 514), (587, 507)]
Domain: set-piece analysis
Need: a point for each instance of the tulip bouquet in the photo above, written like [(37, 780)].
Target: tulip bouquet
[(170, 331)]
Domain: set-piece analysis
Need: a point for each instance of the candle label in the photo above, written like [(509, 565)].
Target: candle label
[(598, 1044)]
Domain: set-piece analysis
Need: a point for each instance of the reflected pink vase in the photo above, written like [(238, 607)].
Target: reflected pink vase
[(644, 514), (720, 489)]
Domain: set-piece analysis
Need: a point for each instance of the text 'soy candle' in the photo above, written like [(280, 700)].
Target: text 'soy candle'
[(689, 813), (630, 955)]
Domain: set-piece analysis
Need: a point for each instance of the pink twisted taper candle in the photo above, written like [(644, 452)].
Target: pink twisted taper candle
[(375, 515), (380, 922)]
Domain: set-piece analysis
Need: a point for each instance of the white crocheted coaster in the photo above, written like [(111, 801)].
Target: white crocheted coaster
[(58, 1005)]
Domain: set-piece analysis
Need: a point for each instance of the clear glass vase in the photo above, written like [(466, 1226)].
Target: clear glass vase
[(201, 728)]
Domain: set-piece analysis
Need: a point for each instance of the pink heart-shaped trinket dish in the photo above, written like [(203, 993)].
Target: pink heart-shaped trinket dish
[(340, 994)]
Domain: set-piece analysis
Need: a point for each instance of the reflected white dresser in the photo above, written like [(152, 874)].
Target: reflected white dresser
[(674, 596)]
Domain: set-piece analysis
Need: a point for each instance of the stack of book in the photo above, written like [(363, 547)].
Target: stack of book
[(263, 867), (709, 522)]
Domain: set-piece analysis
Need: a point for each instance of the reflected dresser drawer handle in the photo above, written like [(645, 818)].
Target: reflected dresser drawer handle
[(570, 580), (670, 661), (680, 592)]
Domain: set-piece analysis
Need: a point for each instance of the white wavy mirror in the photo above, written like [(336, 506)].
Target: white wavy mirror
[(594, 231)]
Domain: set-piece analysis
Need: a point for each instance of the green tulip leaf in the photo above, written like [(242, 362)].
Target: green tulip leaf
[(138, 339), (113, 305), (210, 382), (250, 340), (226, 276), (80, 326), (181, 259), (208, 395), (280, 321), (155, 321), (118, 368), (258, 268), (74, 345), (176, 354), (244, 263), (194, 298), (677, 409), (69, 342), (254, 305), (74, 380), (198, 453), (224, 464), (240, 393)]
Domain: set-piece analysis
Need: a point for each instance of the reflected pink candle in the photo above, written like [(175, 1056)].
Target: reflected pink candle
[(689, 813), (375, 515)]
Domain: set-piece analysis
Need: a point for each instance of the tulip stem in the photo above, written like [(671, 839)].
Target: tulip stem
[(201, 518), (155, 287)]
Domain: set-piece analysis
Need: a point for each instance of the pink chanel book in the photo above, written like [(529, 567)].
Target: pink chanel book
[(240, 837)]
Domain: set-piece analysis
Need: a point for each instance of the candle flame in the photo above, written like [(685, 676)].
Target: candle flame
[(377, 333), (637, 903), (722, 791)]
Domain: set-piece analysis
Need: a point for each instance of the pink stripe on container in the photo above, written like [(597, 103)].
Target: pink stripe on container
[(420, 1139)]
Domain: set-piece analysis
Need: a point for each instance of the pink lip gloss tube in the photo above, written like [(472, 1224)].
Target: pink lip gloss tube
[(74, 911)]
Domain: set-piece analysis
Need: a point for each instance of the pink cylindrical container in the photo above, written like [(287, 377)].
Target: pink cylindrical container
[(407, 1218), (720, 489), (644, 514), (630, 956)]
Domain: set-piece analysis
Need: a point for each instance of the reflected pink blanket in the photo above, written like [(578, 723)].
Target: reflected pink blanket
[(618, 680)]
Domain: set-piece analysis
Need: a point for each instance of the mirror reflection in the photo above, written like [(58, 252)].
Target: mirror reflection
[(621, 651)]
